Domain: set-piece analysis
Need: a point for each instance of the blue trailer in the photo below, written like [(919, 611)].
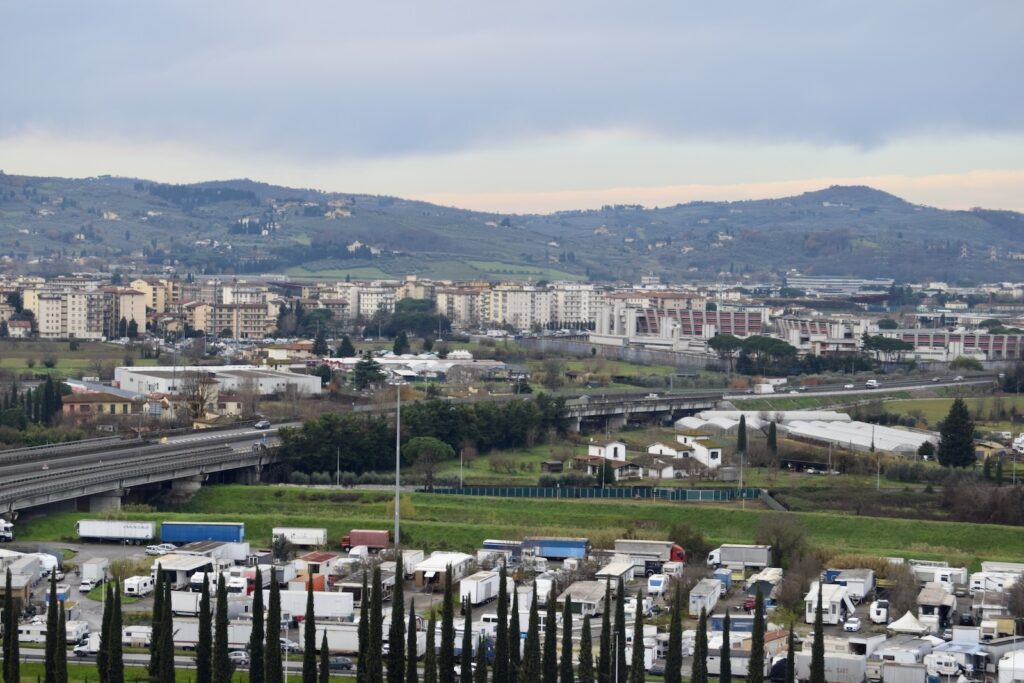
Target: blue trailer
[(725, 576), (189, 532), (514, 548), (558, 548)]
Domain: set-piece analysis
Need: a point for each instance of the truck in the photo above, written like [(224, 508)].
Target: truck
[(741, 557), (411, 558), (186, 634), (90, 647), (764, 389), (341, 637), (63, 593), (6, 531), (545, 584), (35, 632), (840, 667), (185, 602), (326, 605), (138, 586), (650, 556), (180, 533), (117, 531), (556, 548), (300, 536), (511, 549), (375, 540), (479, 588), (94, 572)]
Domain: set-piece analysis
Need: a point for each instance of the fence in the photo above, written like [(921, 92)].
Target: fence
[(630, 493)]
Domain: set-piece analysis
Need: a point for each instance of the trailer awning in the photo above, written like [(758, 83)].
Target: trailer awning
[(429, 575)]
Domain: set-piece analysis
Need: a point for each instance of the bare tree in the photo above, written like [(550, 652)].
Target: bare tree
[(249, 397), (198, 391)]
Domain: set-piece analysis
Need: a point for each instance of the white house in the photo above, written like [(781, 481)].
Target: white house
[(613, 450), (835, 600), (701, 448)]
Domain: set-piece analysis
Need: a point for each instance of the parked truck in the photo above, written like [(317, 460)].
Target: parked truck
[(479, 588), (300, 536), (375, 540), (840, 667), (341, 637), (650, 556), (741, 557), (94, 572), (554, 548), (186, 634), (326, 605), (116, 531), (180, 533), (6, 531), (185, 602)]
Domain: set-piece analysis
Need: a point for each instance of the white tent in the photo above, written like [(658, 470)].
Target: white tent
[(908, 623)]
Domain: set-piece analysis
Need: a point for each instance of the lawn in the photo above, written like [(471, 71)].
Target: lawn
[(15, 355), (87, 673), (512, 271), (790, 402), (436, 522), (934, 410)]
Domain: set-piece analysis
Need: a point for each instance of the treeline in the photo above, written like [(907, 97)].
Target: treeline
[(355, 443), (36, 406), (189, 197)]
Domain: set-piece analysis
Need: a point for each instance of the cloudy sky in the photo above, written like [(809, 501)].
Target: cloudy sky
[(526, 106)]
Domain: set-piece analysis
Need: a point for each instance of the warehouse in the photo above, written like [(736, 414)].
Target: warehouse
[(861, 436)]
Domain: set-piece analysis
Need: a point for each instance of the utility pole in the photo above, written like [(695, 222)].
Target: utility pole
[(337, 467), (398, 458)]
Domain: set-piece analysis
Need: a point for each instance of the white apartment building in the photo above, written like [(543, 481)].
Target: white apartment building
[(465, 307), (574, 304), (374, 297), (66, 315), (521, 306)]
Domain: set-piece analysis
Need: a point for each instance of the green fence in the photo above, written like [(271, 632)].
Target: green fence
[(626, 493)]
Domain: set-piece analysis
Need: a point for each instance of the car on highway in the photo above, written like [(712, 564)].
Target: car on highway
[(239, 657), (936, 379), (262, 424), (852, 625), (657, 667), (339, 664), (958, 378), (289, 645), (160, 549), (848, 386)]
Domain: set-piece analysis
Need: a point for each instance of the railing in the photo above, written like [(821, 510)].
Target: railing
[(632, 492)]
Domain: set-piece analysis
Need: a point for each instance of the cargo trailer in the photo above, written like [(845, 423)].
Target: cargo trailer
[(115, 531), (180, 533)]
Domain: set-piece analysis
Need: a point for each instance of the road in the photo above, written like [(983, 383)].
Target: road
[(885, 385)]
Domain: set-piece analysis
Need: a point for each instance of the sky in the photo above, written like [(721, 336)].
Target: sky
[(527, 106)]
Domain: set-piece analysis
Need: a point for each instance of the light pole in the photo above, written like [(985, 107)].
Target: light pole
[(398, 458), (337, 467)]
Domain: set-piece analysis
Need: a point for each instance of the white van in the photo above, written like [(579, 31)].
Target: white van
[(872, 384)]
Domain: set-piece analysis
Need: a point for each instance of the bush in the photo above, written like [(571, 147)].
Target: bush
[(298, 478), (321, 479)]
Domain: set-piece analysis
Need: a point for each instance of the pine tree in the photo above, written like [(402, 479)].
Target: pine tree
[(155, 640), (204, 642), (466, 656), (549, 659), (530, 669), (790, 658), (817, 674), (699, 670), (565, 673), (446, 653), (309, 637), (320, 344), (411, 648), (430, 658), (103, 654), (741, 435), (755, 667), (604, 658), (585, 670), (325, 661), (60, 651), (363, 631), (725, 668), (272, 671), (956, 437), (396, 633), (674, 656), (346, 349), (637, 671), (999, 471), (773, 443), (221, 669), (50, 668), (115, 665), (620, 669), (167, 638), (401, 346), (514, 636), (257, 636), (502, 634), (11, 674), (375, 663), (480, 675)]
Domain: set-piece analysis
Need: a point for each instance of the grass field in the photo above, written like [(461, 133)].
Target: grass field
[(88, 673), (14, 356), (512, 271), (935, 409), (789, 402), (358, 272), (436, 522)]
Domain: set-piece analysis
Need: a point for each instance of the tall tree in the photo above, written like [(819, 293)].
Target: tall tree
[(363, 631), (115, 665), (502, 636), (204, 642), (396, 634), (585, 670), (817, 674), (755, 666), (411, 647), (725, 669), (309, 636), (549, 659), (325, 661), (430, 658), (956, 437), (103, 654), (699, 669), (480, 675), (514, 640), (401, 346), (346, 349), (272, 671), (741, 435), (620, 630), (60, 652), (12, 670), (221, 669), (790, 658), (258, 635), (637, 670), (167, 638), (674, 656), (446, 653), (773, 438), (466, 656), (375, 663), (604, 654), (320, 344), (530, 669), (155, 641), (565, 673), (50, 663)]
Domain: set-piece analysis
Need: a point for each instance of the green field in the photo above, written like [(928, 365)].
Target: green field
[(14, 356), (790, 402), (453, 522), (512, 271), (935, 409), (88, 673), (358, 273)]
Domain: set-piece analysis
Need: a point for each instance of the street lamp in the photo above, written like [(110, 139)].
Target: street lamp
[(398, 456)]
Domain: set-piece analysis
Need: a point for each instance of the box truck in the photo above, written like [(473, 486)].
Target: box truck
[(185, 603), (650, 556), (94, 572), (741, 557), (479, 588), (300, 536), (6, 531), (327, 605), (115, 531), (186, 634), (181, 533), (839, 667), (341, 637), (375, 540)]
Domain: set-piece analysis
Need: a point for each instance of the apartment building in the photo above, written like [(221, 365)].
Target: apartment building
[(519, 305), (236, 321), (69, 314), (574, 304), (464, 306)]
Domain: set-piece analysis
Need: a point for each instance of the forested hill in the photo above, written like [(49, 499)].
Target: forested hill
[(55, 225)]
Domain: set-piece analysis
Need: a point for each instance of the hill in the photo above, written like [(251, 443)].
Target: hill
[(55, 225)]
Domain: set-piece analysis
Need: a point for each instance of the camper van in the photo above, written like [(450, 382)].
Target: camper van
[(138, 586)]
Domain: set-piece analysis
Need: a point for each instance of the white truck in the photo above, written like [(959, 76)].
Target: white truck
[(300, 536), (94, 572), (737, 557), (117, 531), (480, 588), (545, 583), (764, 389), (6, 530), (185, 602), (341, 637), (327, 605), (186, 634)]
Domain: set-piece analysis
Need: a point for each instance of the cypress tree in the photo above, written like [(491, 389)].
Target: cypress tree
[(154, 640), (514, 654), (817, 674), (674, 656), (773, 444), (272, 672), (620, 669), (549, 660), (396, 634), (446, 654), (530, 669), (309, 637), (103, 654), (466, 656), (585, 670), (363, 656), (565, 663), (411, 648), (221, 669), (115, 665), (325, 661), (637, 670), (755, 668), (956, 437), (167, 637), (480, 675), (60, 653), (375, 657), (11, 670), (502, 633), (790, 658), (257, 636), (204, 643), (699, 670), (604, 660), (741, 435), (50, 669), (430, 658), (725, 672)]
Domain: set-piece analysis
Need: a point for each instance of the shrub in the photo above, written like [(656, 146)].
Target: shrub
[(298, 478), (321, 479)]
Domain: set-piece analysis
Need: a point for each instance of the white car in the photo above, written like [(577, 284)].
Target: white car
[(958, 378), (239, 657), (160, 549), (852, 625), (848, 386)]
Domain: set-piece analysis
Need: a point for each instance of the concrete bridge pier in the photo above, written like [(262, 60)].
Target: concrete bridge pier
[(248, 475), (109, 501), (616, 421), (187, 486), (575, 424)]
